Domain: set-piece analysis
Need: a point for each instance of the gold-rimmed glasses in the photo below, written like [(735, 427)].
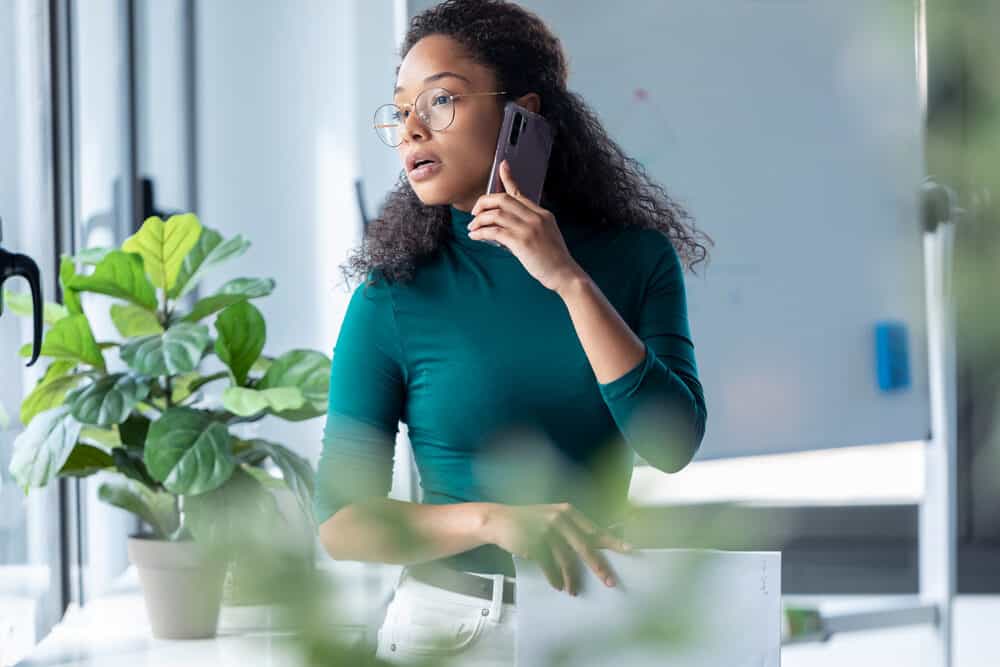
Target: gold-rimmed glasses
[(435, 108)]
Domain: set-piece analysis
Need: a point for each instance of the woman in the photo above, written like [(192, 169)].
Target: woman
[(527, 373)]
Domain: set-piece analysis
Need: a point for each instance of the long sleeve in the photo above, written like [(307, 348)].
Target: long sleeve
[(659, 405), (366, 402)]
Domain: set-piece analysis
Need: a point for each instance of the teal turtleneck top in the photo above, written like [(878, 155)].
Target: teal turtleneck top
[(483, 365)]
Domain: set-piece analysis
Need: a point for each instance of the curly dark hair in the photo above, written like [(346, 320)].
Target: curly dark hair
[(590, 179)]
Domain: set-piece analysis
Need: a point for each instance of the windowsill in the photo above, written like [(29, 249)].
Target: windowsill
[(114, 628)]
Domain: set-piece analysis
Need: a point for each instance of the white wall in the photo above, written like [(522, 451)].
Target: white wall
[(277, 154)]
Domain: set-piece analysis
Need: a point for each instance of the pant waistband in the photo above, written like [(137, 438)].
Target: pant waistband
[(459, 581)]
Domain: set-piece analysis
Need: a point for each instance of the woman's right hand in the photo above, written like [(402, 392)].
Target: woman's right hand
[(557, 536)]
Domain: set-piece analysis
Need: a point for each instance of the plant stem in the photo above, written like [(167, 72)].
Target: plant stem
[(166, 302), (165, 317), (179, 506)]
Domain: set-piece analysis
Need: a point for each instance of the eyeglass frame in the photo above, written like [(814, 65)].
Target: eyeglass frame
[(412, 105)]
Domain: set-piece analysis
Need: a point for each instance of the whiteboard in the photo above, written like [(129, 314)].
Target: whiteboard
[(792, 130)]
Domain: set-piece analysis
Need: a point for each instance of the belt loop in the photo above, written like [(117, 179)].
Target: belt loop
[(496, 606)]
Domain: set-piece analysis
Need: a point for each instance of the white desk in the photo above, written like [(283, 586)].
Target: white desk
[(114, 631)]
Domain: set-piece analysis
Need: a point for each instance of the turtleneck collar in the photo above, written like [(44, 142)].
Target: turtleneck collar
[(460, 233)]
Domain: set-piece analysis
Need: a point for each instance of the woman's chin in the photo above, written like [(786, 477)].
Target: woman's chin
[(430, 195)]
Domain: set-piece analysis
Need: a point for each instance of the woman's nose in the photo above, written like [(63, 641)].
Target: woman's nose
[(412, 125)]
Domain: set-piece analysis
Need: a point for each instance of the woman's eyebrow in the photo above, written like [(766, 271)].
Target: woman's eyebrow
[(435, 77)]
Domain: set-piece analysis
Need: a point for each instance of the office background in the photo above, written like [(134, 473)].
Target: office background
[(255, 116)]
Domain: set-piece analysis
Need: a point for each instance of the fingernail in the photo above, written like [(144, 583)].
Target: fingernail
[(469, 226), (610, 581)]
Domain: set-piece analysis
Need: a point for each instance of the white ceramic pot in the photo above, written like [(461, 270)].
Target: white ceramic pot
[(181, 586)]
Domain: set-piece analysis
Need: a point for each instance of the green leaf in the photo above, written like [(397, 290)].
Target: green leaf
[(234, 291), (245, 453), (130, 464), (180, 386), (188, 452), (51, 389), (71, 338), (109, 437), (155, 508), (240, 512), (25, 350), (187, 384), (57, 369), (133, 431), (264, 477), (296, 471), (248, 402), (71, 299), (262, 364), (21, 304), (85, 460), (307, 411), (109, 400), (200, 381), (132, 321), (42, 448), (178, 350), (121, 275), (308, 370), (47, 396), (207, 252), (92, 256), (163, 246), (242, 331)]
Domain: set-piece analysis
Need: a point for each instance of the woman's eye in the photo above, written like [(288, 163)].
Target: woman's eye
[(441, 99)]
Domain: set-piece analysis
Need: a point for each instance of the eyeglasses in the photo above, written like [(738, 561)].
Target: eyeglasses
[(435, 108)]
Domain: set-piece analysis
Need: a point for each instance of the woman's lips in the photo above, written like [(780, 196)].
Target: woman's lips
[(426, 171)]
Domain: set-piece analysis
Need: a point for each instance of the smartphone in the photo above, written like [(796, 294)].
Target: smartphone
[(525, 141)]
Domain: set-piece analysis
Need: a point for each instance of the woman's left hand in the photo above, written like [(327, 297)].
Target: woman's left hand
[(528, 230)]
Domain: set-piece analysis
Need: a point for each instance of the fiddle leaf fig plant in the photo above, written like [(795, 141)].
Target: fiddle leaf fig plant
[(181, 466)]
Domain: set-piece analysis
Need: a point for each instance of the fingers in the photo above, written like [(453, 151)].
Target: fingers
[(567, 560), (496, 217), (582, 543), (494, 233), (593, 531), (520, 208), (612, 542), (543, 554)]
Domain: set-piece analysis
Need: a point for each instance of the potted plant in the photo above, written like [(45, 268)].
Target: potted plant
[(183, 462)]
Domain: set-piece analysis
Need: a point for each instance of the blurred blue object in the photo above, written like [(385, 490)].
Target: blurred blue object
[(891, 357)]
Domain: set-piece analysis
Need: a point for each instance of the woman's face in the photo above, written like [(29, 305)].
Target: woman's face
[(464, 150)]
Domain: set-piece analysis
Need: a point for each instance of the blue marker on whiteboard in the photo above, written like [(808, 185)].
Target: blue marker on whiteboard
[(892, 361)]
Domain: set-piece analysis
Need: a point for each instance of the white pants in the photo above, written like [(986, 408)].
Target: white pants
[(431, 624)]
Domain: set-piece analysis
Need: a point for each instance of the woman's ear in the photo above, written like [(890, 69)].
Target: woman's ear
[(530, 101)]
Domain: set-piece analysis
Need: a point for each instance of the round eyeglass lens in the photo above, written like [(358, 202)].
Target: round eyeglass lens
[(434, 107)]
